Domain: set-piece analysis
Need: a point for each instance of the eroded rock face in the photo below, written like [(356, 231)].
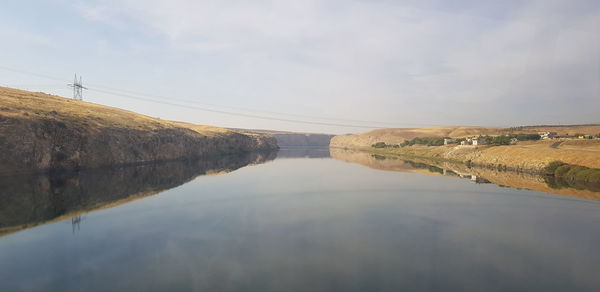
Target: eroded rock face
[(34, 145)]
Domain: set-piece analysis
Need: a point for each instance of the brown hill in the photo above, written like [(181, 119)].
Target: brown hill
[(40, 132), (397, 136)]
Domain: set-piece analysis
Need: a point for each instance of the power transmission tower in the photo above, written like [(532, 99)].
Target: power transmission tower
[(77, 88)]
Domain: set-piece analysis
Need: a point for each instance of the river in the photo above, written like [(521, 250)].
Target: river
[(297, 220)]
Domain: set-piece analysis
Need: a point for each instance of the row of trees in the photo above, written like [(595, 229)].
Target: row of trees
[(436, 141), (506, 139), (424, 141), (383, 145)]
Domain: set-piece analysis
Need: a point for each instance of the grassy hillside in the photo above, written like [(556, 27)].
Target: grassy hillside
[(41, 132), (397, 136), (27, 105)]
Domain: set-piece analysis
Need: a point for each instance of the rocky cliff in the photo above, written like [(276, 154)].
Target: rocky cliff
[(40, 132)]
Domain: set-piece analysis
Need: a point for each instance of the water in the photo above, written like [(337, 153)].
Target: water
[(300, 222)]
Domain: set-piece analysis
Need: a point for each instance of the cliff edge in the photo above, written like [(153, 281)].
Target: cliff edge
[(40, 132)]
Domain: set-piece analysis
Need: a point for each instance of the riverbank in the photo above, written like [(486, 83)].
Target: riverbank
[(41, 132), (528, 157)]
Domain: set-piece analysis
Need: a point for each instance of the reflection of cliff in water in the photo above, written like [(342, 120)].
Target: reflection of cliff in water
[(475, 174), (27, 201), (303, 152)]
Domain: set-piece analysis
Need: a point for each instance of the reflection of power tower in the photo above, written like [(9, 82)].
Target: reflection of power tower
[(75, 221), (77, 88)]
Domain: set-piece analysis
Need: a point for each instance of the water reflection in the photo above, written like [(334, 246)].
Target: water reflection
[(303, 152), (317, 225), (27, 201), (475, 174)]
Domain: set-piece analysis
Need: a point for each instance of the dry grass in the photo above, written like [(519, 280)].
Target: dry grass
[(397, 136), (529, 156), (29, 105)]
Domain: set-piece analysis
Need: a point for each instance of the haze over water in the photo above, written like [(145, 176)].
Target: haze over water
[(306, 222)]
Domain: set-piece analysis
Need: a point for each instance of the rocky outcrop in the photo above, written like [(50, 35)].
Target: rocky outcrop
[(40, 132), (30, 145)]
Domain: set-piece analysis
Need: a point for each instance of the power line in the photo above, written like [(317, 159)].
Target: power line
[(31, 73), (233, 113), (144, 97), (129, 93), (239, 108)]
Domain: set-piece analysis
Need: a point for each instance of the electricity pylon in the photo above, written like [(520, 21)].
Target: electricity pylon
[(77, 88)]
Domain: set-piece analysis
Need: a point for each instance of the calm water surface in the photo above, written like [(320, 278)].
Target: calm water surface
[(300, 222)]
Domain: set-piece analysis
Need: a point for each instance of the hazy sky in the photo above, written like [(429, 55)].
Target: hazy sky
[(406, 63)]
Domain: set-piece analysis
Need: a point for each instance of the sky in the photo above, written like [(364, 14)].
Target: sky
[(329, 66)]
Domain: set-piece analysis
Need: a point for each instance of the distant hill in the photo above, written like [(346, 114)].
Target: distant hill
[(295, 139), (397, 136)]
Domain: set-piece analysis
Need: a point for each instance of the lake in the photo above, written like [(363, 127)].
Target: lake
[(297, 220)]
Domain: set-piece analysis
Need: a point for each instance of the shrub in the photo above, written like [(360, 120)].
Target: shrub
[(500, 140), (429, 141), (379, 145), (552, 166), (562, 170)]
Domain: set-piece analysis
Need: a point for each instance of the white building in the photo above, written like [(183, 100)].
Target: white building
[(547, 135)]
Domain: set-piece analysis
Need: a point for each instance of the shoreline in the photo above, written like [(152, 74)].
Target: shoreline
[(531, 158)]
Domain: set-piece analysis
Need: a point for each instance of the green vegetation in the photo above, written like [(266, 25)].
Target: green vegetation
[(383, 145), (501, 140), (526, 137), (570, 172), (429, 141), (552, 166), (496, 140), (379, 145), (506, 139)]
